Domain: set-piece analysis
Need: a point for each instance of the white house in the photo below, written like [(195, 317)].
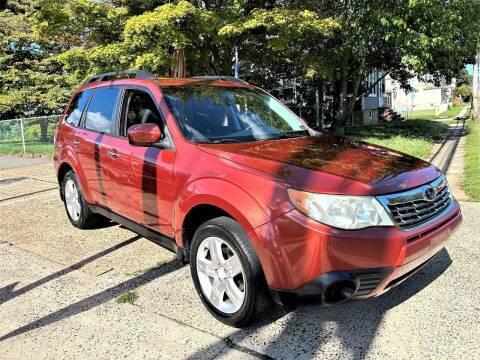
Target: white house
[(372, 104), (424, 96)]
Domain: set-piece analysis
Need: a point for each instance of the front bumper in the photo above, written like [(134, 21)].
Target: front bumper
[(310, 256)]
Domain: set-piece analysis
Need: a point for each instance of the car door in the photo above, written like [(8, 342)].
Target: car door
[(143, 178), (93, 139)]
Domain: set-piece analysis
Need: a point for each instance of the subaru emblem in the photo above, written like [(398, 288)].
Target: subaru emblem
[(430, 194)]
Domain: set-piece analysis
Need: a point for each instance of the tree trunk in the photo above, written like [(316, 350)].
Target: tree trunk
[(351, 105), (179, 67), (340, 117)]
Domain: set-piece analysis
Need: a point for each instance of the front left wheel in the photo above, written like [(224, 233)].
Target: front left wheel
[(226, 272)]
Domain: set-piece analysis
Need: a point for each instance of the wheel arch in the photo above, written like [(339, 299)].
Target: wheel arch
[(199, 209), (195, 217), (70, 163), (63, 170)]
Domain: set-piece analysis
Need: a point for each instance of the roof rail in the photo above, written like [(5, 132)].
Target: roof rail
[(224, 78), (136, 74)]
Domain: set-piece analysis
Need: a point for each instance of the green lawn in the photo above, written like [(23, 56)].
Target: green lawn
[(471, 184), (15, 147), (452, 112), (415, 137), (424, 114), (430, 114)]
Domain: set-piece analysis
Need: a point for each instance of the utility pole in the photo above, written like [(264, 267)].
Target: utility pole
[(476, 88), (236, 64)]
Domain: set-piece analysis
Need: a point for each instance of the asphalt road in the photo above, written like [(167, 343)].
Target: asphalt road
[(59, 285)]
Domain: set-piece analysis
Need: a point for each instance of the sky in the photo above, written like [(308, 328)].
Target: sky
[(470, 69)]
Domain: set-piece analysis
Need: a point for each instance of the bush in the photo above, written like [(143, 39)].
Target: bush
[(33, 132), (464, 91)]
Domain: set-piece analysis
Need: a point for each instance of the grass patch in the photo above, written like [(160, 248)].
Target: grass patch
[(414, 137), (424, 114), (430, 113), (128, 297), (452, 112), (16, 147), (471, 183)]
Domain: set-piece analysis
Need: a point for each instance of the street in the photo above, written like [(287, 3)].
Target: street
[(59, 285)]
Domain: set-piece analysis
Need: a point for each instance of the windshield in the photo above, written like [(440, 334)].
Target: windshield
[(213, 114)]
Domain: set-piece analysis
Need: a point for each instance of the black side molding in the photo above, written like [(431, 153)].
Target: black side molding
[(159, 239)]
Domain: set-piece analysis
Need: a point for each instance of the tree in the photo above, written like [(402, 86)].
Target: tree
[(464, 78), (31, 79), (402, 38), (149, 39), (464, 90), (323, 42)]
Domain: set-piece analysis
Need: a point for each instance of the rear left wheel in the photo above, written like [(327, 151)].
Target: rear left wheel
[(76, 206)]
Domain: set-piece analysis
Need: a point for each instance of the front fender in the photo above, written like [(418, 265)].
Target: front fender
[(210, 191)]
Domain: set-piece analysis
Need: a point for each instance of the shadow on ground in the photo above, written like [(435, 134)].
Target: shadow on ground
[(7, 293), (355, 324), (449, 145), (97, 299), (303, 332)]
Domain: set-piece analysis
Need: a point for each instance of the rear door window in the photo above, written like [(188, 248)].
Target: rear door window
[(102, 109), (75, 110)]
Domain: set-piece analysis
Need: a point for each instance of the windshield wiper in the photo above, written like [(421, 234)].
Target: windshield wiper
[(293, 134), (225, 141)]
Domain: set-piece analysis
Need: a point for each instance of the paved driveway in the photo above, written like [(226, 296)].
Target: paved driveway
[(59, 285)]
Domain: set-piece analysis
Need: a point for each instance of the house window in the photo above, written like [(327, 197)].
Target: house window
[(370, 115), (370, 81), (381, 87)]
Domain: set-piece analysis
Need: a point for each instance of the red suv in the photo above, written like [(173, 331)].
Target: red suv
[(262, 206)]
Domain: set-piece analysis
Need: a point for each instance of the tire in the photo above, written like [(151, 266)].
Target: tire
[(80, 216), (241, 292)]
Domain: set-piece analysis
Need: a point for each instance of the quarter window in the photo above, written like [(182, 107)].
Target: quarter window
[(101, 110), (75, 110)]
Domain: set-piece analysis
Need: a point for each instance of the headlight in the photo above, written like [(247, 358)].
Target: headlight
[(449, 189), (340, 211)]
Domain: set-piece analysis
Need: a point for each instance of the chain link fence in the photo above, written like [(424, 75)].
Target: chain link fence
[(28, 135)]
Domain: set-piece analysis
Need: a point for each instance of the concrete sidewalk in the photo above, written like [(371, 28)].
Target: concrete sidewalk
[(57, 313), (59, 288), (449, 156)]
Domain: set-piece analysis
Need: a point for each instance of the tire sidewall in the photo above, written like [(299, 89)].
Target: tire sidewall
[(80, 223), (234, 241)]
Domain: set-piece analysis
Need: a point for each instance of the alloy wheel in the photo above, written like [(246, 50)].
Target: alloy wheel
[(72, 200), (221, 275)]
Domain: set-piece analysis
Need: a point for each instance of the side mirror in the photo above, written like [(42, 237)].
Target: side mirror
[(144, 134)]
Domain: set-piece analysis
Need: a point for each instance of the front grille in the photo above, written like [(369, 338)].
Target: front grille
[(413, 208)]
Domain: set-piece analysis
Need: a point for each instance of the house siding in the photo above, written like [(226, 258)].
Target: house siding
[(370, 103)]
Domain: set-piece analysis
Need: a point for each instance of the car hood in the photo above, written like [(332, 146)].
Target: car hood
[(330, 164)]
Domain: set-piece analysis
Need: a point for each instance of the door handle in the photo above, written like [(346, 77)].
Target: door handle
[(75, 142), (113, 155)]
